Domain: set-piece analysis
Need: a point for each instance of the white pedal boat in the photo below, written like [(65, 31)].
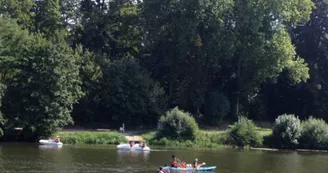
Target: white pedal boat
[(135, 147), (50, 143)]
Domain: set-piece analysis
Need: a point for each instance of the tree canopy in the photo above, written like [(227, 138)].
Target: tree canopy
[(104, 63)]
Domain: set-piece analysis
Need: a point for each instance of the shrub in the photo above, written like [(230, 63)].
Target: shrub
[(177, 124), (243, 133), (287, 131), (314, 134)]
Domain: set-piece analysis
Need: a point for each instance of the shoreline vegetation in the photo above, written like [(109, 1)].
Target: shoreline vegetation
[(91, 137), (180, 130), (114, 138)]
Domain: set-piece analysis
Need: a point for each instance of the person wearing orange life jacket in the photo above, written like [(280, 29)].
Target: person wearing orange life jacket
[(183, 164)]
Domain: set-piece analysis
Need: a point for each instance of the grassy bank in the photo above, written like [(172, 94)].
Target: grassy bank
[(91, 137), (204, 139)]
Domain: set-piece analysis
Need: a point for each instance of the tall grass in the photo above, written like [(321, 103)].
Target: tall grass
[(91, 137)]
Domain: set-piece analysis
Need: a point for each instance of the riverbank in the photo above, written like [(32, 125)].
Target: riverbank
[(204, 139), (91, 137)]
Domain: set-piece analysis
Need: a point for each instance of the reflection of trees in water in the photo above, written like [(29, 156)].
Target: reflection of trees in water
[(48, 155), (132, 156)]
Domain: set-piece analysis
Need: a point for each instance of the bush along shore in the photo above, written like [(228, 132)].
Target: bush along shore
[(179, 129)]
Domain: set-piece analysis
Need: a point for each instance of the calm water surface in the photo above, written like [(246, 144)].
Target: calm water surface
[(32, 158)]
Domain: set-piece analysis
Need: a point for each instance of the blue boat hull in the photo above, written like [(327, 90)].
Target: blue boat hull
[(201, 169)]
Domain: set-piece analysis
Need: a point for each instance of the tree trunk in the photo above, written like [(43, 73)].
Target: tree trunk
[(235, 106)]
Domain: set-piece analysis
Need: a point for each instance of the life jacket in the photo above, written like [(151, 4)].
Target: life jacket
[(183, 165)]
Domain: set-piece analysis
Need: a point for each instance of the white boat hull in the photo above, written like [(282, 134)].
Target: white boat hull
[(50, 143), (135, 147)]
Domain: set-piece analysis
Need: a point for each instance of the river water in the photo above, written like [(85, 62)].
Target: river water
[(32, 158)]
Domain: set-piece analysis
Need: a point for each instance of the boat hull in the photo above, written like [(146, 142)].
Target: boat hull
[(50, 143), (201, 169), (135, 147)]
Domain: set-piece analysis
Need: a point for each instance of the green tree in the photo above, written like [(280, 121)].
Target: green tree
[(311, 42), (47, 19), (109, 27), (9, 48), (20, 10), (91, 73), (185, 39), (262, 48), (198, 46), (70, 13), (129, 95), (41, 94), (310, 98)]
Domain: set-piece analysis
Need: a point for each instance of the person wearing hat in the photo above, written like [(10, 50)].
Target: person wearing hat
[(195, 164)]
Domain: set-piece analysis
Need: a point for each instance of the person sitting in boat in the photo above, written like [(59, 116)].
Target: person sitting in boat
[(143, 144), (183, 164), (131, 144), (174, 162), (196, 165), (56, 139), (160, 170)]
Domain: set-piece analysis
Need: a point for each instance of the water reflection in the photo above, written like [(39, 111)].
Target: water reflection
[(132, 155), (31, 158), (50, 147)]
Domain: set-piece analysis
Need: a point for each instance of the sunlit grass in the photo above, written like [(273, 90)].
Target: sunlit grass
[(91, 137)]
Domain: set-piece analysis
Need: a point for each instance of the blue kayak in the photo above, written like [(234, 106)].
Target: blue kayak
[(201, 169)]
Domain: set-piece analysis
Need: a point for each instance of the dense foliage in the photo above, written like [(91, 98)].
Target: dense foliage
[(177, 124), (46, 83), (314, 134), (287, 131), (104, 63), (243, 133)]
